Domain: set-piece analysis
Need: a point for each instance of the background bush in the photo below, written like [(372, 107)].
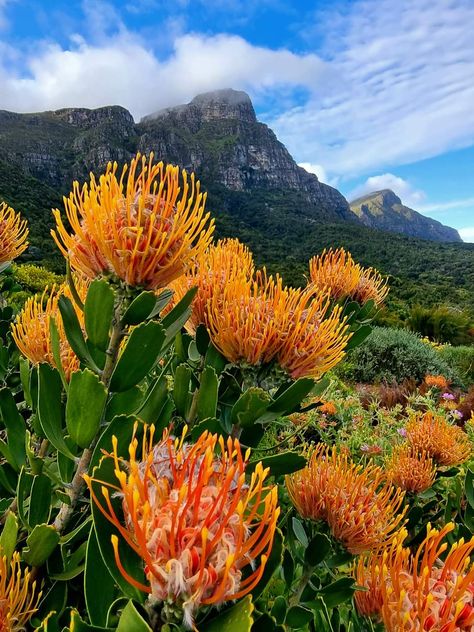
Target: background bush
[(461, 360), (389, 355), (442, 323)]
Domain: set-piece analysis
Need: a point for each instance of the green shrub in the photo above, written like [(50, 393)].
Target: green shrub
[(395, 355), (461, 360), (442, 323), (34, 279)]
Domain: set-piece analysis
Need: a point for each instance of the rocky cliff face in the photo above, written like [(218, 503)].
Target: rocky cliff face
[(384, 210)]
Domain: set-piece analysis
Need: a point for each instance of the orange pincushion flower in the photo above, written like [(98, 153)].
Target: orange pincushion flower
[(193, 518), (336, 271), (409, 469), (368, 573), (145, 227), (328, 408), (13, 234), (212, 270), (18, 601), (361, 508), (421, 592), (371, 286), (445, 443), (31, 329), (436, 381)]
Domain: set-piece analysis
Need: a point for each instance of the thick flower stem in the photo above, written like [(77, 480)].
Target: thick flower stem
[(77, 483), (305, 577)]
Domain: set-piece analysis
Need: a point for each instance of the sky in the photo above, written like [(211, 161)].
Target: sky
[(367, 94)]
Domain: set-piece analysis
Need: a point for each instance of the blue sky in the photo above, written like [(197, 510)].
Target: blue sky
[(367, 94)]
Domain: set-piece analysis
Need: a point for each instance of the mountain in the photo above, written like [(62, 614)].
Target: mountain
[(256, 191), (384, 210)]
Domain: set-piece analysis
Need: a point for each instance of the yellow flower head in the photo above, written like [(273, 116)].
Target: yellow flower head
[(192, 517), (145, 227), (31, 329), (18, 597), (421, 592), (362, 509), (445, 443), (335, 271), (13, 234), (221, 263), (409, 469)]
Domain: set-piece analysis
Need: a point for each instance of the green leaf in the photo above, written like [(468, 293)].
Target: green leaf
[(279, 464), (289, 400), (238, 618), (202, 339), (131, 619), (298, 617), (15, 427), (78, 625), (140, 308), (25, 481), (25, 370), (56, 350), (74, 333), (279, 609), (469, 487), (85, 404), (358, 337), (250, 406), (177, 317), (338, 592), (156, 399), (41, 543), (317, 550), (299, 531), (207, 394), (99, 586), (51, 409), (9, 536), (121, 427), (212, 424), (139, 356), (40, 500), (181, 394), (215, 359), (273, 564), (98, 313)]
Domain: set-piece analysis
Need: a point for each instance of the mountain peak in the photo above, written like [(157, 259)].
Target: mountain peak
[(384, 210), (214, 105)]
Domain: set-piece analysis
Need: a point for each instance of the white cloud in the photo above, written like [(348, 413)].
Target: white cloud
[(447, 206), (121, 70), (409, 195), (405, 88), (320, 172), (467, 233)]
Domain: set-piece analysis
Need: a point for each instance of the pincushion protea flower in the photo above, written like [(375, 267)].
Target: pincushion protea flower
[(193, 519), (409, 469), (335, 271), (421, 592), (18, 598), (212, 270), (362, 509), (144, 227), (31, 329), (436, 381), (13, 234), (445, 443)]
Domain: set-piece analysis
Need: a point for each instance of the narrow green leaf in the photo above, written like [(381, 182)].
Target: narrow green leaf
[(317, 550), (41, 543), (15, 427), (78, 625), (237, 618), (51, 409), (140, 308), (299, 531), (25, 370), (56, 350), (250, 406), (99, 586), (181, 394), (98, 313), (207, 394), (85, 405), (155, 400), (177, 317), (298, 617), (274, 563), (280, 464), (131, 619), (40, 500), (469, 487), (74, 333), (360, 334), (125, 403), (139, 356), (202, 339), (9, 536)]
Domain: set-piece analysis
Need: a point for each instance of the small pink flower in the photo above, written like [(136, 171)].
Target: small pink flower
[(458, 414), (447, 396), (402, 432)]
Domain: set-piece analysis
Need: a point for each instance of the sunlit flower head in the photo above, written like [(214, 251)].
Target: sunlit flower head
[(370, 287), (18, 596), (422, 592), (368, 573), (361, 508), (328, 408), (409, 469), (334, 271), (31, 329), (436, 381), (313, 339), (192, 517), (13, 234), (144, 227), (221, 263), (446, 443)]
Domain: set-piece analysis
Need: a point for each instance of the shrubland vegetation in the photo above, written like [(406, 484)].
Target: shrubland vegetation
[(189, 443)]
